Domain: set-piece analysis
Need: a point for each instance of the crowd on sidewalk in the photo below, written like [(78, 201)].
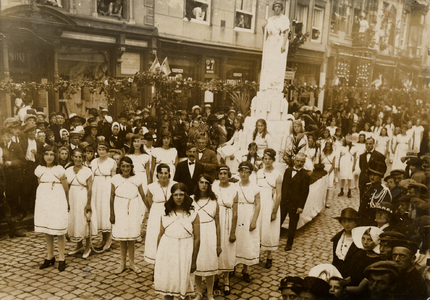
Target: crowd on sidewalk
[(212, 202)]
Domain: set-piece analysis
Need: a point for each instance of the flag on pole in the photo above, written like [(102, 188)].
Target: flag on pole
[(155, 65), (165, 68)]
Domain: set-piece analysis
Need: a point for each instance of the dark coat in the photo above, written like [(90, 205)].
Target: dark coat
[(15, 155), (343, 265), (364, 166), (209, 162), (182, 174), (295, 190), (24, 146)]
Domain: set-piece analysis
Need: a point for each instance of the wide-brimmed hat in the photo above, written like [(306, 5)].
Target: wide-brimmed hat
[(391, 236), (414, 161), (405, 183), (41, 113), (29, 116), (195, 107), (397, 172), (388, 177), (325, 272), (77, 117), (29, 127), (422, 188), (385, 206), (347, 213), (383, 266), (377, 168), (93, 125), (313, 285), (357, 234), (412, 246), (131, 113), (123, 114), (11, 122), (409, 154), (208, 106)]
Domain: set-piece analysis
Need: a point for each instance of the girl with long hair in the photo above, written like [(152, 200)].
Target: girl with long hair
[(64, 157), (346, 164), (261, 136), (227, 150), (328, 159), (165, 153), (52, 206), (382, 141), (126, 199), (178, 246), (206, 205), (140, 160)]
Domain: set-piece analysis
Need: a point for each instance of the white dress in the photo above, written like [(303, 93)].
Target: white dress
[(359, 149), (232, 146), (160, 195), (247, 242), (127, 205), (166, 156), (270, 230), (328, 161), (274, 61), (207, 259), (262, 143), (346, 162), (382, 143), (50, 212), (78, 196), (139, 163), (101, 191), (225, 197), (174, 256), (401, 150), (418, 136)]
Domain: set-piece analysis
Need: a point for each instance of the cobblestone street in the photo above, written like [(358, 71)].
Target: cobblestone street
[(20, 277)]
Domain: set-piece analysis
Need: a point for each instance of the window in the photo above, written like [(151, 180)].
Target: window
[(198, 11), (302, 18), (317, 24), (245, 15), (111, 8), (334, 20)]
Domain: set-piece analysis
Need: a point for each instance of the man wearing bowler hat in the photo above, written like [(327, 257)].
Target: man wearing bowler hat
[(32, 150), (364, 161), (374, 193)]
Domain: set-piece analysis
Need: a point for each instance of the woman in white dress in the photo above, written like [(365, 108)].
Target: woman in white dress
[(328, 159), (418, 134), (275, 49), (80, 183), (311, 153), (332, 127), (376, 129), (324, 139), (382, 142), (228, 150), (227, 197), (346, 164), (178, 246), (103, 168), (140, 160), (248, 231), (269, 181), (403, 145), (52, 205), (261, 137), (367, 131), (126, 199), (297, 137), (360, 148), (206, 205), (164, 154), (157, 196)]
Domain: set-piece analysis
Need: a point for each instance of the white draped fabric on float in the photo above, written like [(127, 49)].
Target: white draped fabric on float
[(314, 204)]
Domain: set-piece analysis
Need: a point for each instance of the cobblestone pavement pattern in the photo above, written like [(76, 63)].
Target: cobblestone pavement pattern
[(20, 277)]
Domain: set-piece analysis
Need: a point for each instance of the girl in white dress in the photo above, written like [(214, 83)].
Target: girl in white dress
[(403, 145), (210, 239), (164, 154), (311, 153), (297, 137), (103, 169), (227, 197), (332, 127), (227, 151), (346, 164), (360, 148), (126, 199), (52, 205), (393, 143), (269, 181), (80, 183), (140, 160), (254, 159), (157, 196), (261, 137), (328, 159), (178, 246), (382, 142), (367, 131), (248, 231)]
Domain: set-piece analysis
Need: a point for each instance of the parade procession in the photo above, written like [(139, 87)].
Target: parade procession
[(215, 149)]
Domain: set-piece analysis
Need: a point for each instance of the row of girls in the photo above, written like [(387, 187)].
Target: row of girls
[(208, 234)]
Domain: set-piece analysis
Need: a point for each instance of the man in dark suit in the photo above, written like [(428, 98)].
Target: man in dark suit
[(188, 171), (370, 155), (61, 123), (206, 157), (295, 190), (32, 150), (123, 127)]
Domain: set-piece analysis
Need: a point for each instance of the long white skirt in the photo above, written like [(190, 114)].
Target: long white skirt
[(270, 231), (101, 199), (227, 258), (152, 231), (78, 225), (50, 212), (207, 259), (247, 242), (128, 218)]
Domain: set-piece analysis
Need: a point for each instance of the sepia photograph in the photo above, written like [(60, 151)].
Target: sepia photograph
[(215, 149)]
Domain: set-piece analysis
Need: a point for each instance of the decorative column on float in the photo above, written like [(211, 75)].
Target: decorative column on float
[(269, 103)]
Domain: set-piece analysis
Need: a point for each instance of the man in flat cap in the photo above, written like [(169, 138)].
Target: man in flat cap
[(386, 239), (382, 279), (411, 284), (286, 286)]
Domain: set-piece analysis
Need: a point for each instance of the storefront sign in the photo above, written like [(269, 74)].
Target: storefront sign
[(130, 63), (15, 56), (289, 75), (174, 70), (210, 66), (237, 74)]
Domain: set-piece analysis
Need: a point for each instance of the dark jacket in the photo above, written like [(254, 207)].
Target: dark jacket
[(364, 166), (39, 146), (343, 265), (182, 174), (209, 162), (295, 190)]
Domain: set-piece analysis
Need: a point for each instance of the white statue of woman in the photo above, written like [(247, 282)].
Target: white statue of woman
[(275, 50)]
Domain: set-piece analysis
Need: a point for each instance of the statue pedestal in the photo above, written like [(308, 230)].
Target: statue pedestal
[(271, 106)]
